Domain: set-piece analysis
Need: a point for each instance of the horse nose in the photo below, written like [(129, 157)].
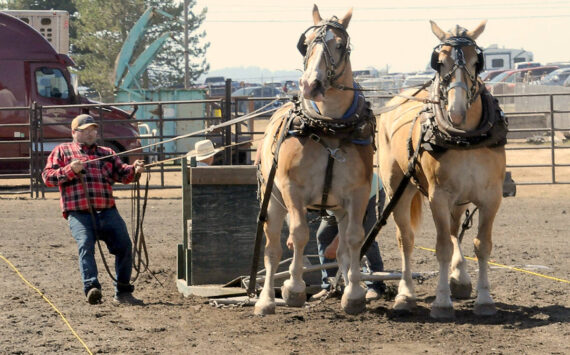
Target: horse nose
[(457, 115), (313, 90)]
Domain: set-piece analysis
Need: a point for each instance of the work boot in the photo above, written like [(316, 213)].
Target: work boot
[(127, 298), (372, 295), (94, 296), (318, 296)]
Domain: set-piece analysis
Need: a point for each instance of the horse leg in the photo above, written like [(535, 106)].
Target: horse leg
[(442, 307), (459, 280), (293, 290), (272, 228), (484, 304), (406, 214), (351, 237)]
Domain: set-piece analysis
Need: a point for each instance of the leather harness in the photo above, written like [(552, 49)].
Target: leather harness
[(356, 127)]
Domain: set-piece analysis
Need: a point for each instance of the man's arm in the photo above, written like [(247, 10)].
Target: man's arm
[(126, 173), (57, 171)]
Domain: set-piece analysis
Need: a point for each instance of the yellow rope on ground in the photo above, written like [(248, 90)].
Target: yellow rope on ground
[(48, 301), (509, 267)]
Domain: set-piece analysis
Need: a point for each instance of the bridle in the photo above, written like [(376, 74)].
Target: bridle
[(321, 31), (443, 83)]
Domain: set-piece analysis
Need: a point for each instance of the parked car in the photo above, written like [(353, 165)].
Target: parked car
[(556, 77), (490, 74), (524, 65), (242, 95), (291, 87), (527, 76)]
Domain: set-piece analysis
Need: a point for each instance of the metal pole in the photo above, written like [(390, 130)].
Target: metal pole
[(186, 65), (552, 145), (228, 130)]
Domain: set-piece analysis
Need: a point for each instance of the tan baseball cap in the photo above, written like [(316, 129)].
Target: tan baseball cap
[(82, 121)]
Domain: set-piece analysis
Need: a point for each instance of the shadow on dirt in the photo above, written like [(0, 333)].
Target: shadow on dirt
[(510, 316)]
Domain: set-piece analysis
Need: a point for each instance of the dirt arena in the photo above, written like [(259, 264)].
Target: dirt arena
[(531, 233)]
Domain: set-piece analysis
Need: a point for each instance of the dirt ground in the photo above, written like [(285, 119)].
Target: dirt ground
[(531, 233)]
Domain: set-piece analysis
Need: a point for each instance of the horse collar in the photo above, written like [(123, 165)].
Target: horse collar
[(491, 132)]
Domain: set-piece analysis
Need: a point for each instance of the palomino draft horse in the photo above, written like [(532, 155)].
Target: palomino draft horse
[(321, 148), (453, 149)]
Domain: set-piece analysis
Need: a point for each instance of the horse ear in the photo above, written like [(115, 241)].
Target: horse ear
[(316, 15), (346, 19), (438, 32), (473, 34)]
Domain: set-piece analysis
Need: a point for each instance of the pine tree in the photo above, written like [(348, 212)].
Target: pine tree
[(103, 26)]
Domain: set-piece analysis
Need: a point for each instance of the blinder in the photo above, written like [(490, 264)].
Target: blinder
[(458, 43), (301, 45)]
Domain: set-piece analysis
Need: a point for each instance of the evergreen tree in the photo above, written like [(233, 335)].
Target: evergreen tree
[(167, 70), (103, 26)]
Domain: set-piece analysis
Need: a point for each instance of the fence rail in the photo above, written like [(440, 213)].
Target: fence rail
[(529, 114)]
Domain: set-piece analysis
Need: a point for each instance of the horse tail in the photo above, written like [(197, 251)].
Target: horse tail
[(416, 211)]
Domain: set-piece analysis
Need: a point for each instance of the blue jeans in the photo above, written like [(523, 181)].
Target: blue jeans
[(113, 231), (328, 230)]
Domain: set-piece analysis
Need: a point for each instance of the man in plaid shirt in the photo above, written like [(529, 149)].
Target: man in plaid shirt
[(65, 165)]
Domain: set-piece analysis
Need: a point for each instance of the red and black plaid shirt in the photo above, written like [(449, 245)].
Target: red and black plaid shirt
[(99, 176)]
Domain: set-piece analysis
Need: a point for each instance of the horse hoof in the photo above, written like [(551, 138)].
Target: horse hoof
[(353, 306), (442, 312), (487, 309), (263, 308), (293, 299), (404, 304), (460, 291)]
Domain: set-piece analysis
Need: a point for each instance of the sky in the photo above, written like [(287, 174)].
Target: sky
[(393, 34)]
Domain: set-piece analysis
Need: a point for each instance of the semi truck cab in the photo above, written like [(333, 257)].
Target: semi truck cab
[(31, 71)]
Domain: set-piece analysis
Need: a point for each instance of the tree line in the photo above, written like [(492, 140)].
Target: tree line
[(98, 29)]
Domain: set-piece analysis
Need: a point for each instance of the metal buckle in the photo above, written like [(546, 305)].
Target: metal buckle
[(335, 156)]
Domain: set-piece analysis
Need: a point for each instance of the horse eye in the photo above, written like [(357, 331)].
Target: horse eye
[(338, 45)]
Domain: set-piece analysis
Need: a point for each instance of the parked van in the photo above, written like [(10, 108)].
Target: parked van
[(31, 71)]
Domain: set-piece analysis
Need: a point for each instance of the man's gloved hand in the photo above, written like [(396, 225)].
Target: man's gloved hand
[(139, 167), (76, 166)]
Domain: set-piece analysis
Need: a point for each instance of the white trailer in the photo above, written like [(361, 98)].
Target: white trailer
[(504, 58), (52, 24)]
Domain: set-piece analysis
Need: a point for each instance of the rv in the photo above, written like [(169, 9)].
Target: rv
[(32, 71), (503, 58)]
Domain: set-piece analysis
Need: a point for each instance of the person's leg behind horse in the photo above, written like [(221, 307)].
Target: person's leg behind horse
[(373, 212)]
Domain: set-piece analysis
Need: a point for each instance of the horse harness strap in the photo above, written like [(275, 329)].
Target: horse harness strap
[(328, 172), (262, 217)]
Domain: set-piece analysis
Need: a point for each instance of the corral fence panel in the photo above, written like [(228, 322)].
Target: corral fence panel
[(539, 127)]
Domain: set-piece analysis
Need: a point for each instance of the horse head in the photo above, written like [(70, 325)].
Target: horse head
[(326, 50), (458, 61)]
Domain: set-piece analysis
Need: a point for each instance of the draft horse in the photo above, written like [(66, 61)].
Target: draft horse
[(451, 147), (320, 148)]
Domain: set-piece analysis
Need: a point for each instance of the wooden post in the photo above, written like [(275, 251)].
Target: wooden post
[(185, 249)]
